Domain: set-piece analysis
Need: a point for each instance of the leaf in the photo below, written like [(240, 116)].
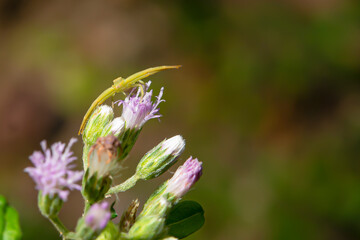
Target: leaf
[(185, 218), (9, 222), (3, 206), (12, 229)]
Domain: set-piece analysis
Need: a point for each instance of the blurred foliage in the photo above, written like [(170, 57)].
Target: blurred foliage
[(268, 98)]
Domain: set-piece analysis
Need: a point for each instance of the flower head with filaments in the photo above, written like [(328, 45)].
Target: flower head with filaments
[(52, 172), (138, 110)]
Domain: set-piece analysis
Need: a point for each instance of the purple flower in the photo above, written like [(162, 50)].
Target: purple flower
[(98, 216), (52, 173), (184, 177), (138, 110)]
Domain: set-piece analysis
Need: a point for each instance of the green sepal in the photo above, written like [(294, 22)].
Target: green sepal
[(110, 232), (49, 206), (95, 188), (148, 228), (127, 141), (84, 232)]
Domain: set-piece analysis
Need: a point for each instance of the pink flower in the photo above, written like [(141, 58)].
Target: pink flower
[(52, 172), (138, 110), (184, 178)]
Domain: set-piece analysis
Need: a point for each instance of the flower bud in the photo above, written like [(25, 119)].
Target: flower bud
[(94, 222), (160, 158), (184, 178), (98, 216), (147, 228), (96, 124), (102, 164), (177, 186), (115, 127)]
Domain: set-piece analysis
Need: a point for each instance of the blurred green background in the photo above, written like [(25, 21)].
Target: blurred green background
[(268, 98)]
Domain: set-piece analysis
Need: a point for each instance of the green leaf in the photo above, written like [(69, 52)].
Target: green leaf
[(9, 222), (3, 206), (185, 218), (112, 211), (12, 229)]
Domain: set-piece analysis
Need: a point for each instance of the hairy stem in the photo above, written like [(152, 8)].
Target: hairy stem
[(129, 183), (59, 225)]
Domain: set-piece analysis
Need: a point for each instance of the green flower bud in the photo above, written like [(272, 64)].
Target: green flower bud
[(101, 117), (148, 228), (160, 158), (116, 127), (49, 206)]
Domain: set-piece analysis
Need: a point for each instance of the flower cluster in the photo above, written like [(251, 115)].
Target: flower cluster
[(52, 172), (108, 140)]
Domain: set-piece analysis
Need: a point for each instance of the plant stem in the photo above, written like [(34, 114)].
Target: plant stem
[(86, 207), (124, 186), (59, 225)]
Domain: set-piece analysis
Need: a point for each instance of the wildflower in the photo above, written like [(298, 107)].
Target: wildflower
[(184, 178), (160, 158), (98, 216), (138, 110), (52, 172)]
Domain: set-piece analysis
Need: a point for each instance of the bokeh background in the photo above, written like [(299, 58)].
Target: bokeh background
[(268, 98)]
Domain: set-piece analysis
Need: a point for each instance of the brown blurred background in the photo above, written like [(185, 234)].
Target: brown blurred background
[(268, 98)]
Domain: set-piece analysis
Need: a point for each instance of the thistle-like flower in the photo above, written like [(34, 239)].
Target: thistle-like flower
[(52, 172), (98, 216), (138, 110), (160, 158), (184, 178)]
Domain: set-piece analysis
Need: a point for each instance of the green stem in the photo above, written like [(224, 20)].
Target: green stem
[(86, 207), (124, 186), (59, 225)]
